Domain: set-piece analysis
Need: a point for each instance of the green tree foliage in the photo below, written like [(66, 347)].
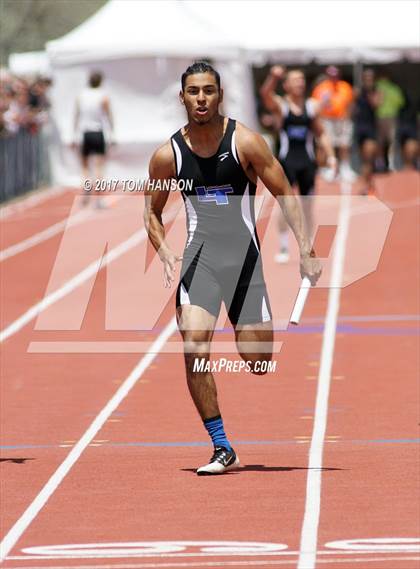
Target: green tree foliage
[(26, 25)]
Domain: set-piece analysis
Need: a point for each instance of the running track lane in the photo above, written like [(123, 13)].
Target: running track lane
[(376, 397), (286, 392), (24, 220), (97, 376)]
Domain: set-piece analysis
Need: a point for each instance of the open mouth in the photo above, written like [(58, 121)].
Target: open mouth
[(201, 111)]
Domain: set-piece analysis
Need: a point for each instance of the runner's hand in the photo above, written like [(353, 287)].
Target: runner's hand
[(310, 267), (169, 260), (278, 71)]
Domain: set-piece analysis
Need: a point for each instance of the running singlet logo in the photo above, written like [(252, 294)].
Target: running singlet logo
[(297, 132), (214, 194)]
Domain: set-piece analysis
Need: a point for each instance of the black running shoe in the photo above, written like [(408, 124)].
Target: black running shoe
[(221, 461)]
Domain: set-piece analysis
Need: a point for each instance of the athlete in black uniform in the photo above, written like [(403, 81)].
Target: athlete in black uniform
[(367, 98), (297, 120), (222, 258)]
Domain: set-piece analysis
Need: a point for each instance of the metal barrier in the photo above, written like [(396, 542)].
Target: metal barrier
[(23, 163)]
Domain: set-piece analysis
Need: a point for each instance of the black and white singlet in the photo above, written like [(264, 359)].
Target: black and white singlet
[(222, 258), (297, 153)]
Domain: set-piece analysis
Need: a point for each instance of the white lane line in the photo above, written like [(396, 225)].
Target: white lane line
[(44, 234), (309, 533), (72, 284), (41, 499), (31, 200), (77, 280)]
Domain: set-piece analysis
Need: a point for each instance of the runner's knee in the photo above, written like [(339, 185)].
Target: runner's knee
[(196, 345)]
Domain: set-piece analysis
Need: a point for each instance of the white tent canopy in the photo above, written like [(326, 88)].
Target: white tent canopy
[(140, 27), (30, 63), (300, 31)]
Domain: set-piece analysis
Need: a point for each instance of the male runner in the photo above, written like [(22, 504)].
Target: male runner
[(297, 119), (366, 100), (222, 258), (92, 115)]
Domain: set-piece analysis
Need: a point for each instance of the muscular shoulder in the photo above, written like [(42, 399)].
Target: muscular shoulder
[(162, 163), (248, 141)]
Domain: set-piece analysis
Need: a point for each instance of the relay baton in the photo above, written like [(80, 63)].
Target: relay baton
[(300, 301)]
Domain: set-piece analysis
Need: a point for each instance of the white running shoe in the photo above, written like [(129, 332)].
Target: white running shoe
[(327, 174), (347, 174), (282, 257), (221, 461)]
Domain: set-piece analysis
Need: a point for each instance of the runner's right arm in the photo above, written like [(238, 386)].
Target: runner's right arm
[(271, 100), (161, 167), (76, 123), (106, 105)]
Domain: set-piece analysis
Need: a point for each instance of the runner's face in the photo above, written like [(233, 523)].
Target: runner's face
[(201, 97), (295, 83), (368, 79)]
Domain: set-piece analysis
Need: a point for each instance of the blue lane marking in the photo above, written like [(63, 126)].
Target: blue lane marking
[(315, 324), (207, 443), (369, 318), (341, 328), (199, 443)]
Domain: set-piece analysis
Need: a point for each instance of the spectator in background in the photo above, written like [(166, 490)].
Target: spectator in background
[(93, 115), (408, 131), (18, 114), (335, 98), (297, 119), (23, 105), (391, 102), (38, 99), (367, 99)]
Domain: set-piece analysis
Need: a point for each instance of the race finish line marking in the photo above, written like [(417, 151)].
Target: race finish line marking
[(171, 549), (225, 563)]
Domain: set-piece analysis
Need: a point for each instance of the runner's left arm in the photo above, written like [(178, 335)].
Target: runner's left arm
[(76, 123), (108, 112), (322, 138), (261, 161)]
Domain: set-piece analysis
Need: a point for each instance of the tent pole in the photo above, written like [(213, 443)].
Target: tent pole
[(357, 71)]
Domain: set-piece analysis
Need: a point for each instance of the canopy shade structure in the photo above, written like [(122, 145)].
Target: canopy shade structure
[(30, 63), (124, 28), (343, 31)]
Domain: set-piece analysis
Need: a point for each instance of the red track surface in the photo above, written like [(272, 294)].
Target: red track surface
[(119, 491)]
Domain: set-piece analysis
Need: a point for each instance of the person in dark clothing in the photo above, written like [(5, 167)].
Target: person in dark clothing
[(408, 133), (365, 128)]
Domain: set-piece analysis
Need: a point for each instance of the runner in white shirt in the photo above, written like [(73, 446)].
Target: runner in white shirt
[(93, 116)]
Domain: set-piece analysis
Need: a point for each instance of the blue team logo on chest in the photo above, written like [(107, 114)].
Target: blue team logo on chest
[(214, 194), (297, 132)]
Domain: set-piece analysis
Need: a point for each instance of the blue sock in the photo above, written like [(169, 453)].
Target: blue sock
[(216, 431)]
